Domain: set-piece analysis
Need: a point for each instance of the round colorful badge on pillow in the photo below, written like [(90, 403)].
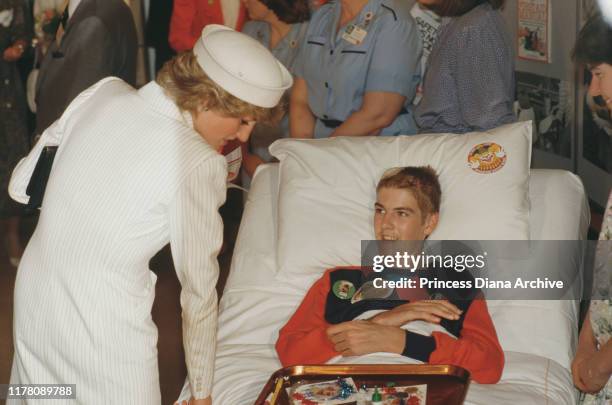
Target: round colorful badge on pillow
[(487, 157)]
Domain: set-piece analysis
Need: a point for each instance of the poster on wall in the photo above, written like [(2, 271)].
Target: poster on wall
[(428, 24), (534, 27), (547, 103)]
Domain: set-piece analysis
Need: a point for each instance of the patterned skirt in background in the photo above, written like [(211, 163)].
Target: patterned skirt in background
[(601, 310)]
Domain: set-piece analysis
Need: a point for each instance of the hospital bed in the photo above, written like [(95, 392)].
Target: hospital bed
[(538, 337)]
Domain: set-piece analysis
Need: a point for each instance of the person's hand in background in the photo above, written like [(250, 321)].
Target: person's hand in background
[(14, 53)]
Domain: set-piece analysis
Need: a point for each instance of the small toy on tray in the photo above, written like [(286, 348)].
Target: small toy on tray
[(391, 395), (335, 392)]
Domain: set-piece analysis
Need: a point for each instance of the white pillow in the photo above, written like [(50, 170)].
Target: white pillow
[(327, 192)]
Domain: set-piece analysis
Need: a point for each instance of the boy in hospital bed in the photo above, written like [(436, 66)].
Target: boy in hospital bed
[(346, 313)]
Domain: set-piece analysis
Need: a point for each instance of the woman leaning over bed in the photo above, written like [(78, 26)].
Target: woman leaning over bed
[(469, 83), (592, 366), (134, 170)]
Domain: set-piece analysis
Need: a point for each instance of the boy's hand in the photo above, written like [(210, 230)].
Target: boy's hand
[(427, 310), (356, 338)]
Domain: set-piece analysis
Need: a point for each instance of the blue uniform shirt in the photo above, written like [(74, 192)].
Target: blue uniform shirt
[(338, 72), (287, 49), (286, 52)]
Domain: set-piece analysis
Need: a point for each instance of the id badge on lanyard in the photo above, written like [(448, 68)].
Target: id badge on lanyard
[(356, 33)]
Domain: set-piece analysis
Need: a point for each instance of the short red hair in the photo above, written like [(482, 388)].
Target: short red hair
[(421, 181)]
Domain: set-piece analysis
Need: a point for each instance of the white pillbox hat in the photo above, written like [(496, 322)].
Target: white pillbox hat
[(242, 66)]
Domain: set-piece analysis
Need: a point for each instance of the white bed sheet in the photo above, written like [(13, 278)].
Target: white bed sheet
[(255, 305)]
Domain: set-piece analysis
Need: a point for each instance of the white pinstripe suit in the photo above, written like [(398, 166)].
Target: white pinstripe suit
[(130, 175)]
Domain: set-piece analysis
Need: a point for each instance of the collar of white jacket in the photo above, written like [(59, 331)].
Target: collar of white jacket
[(242, 66)]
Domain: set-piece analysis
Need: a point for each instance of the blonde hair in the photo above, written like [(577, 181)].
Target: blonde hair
[(191, 89)]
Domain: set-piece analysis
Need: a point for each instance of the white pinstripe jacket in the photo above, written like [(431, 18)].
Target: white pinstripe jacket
[(130, 175)]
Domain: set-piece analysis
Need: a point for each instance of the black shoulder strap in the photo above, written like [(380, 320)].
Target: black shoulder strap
[(40, 177)]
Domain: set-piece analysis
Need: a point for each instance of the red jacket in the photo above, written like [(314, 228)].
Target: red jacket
[(303, 339), (189, 17)]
